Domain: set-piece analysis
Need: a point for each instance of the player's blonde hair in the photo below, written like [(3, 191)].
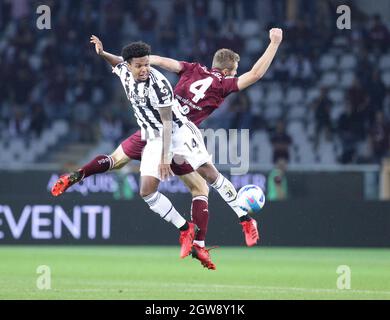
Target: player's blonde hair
[(225, 59)]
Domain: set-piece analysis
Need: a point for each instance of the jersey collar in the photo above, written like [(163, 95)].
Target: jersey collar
[(215, 70)]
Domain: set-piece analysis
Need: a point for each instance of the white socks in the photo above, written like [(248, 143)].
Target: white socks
[(228, 193), (161, 205)]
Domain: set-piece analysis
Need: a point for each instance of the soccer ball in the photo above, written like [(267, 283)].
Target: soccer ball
[(251, 198)]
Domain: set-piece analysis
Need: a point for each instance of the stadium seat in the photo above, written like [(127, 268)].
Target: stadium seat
[(6, 157), (384, 62), (103, 147), (329, 79), (347, 79), (311, 129), (130, 28), (347, 62), (336, 112), (40, 146), (35, 62), (294, 155), (326, 153), (256, 94), (312, 94), (246, 62), (295, 128), (386, 78), (17, 145), (250, 28), (298, 135), (363, 149), (336, 95), (327, 62), (273, 112), (340, 41), (28, 156), (294, 95), (297, 112), (41, 45), (256, 109), (262, 147), (254, 45), (60, 128), (306, 154), (2, 145), (33, 153), (274, 96), (49, 138)]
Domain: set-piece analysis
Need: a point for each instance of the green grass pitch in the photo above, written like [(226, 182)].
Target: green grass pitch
[(158, 273)]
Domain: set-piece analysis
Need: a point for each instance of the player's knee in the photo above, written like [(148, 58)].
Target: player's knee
[(208, 172), (146, 191), (120, 164), (120, 160), (200, 190), (143, 193)]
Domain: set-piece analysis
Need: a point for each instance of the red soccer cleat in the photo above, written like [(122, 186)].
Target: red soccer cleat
[(64, 182), (203, 255), (250, 230), (186, 239)]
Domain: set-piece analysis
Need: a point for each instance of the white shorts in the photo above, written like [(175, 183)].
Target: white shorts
[(187, 142)]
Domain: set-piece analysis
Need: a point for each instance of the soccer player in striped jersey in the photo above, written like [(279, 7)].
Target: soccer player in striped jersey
[(200, 91)]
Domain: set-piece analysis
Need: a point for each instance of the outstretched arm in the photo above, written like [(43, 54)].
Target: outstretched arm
[(168, 64), (262, 65), (112, 59)]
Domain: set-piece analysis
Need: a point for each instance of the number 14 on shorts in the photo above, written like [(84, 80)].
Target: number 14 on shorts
[(194, 144)]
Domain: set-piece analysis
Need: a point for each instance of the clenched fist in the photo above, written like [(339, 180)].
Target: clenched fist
[(276, 35)]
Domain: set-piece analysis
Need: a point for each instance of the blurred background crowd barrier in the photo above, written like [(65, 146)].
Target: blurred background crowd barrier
[(324, 209)]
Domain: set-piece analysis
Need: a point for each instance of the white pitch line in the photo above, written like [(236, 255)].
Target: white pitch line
[(271, 288), (217, 287)]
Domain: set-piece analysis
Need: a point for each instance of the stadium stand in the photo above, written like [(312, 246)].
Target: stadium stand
[(56, 92)]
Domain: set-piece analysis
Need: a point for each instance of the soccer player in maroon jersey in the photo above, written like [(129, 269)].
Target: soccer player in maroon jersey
[(200, 91)]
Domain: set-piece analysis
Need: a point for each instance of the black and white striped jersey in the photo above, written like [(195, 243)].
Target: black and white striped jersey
[(146, 97)]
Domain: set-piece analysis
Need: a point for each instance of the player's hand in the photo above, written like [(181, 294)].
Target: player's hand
[(98, 44), (165, 171), (276, 35)]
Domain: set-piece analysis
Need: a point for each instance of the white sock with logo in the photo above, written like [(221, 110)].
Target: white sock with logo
[(160, 204), (228, 193)]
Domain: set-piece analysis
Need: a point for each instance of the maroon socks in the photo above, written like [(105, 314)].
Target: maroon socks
[(200, 216), (100, 164)]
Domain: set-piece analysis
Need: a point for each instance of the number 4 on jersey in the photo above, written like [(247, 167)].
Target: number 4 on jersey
[(198, 88)]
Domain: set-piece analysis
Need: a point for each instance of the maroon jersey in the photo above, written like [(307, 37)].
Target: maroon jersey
[(200, 91)]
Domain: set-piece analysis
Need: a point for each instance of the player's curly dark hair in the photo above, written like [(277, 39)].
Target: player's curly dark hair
[(135, 50)]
